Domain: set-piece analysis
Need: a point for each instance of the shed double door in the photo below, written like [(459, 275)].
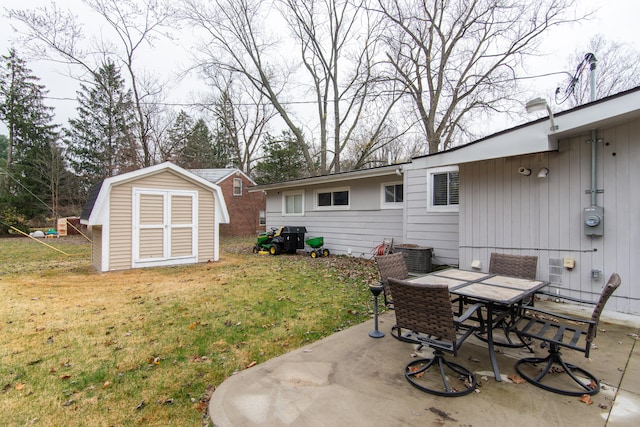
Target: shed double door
[(164, 227)]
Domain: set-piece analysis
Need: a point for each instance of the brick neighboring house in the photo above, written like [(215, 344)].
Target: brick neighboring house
[(246, 210)]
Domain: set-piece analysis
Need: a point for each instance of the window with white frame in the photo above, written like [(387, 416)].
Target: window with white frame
[(293, 203), (334, 198), (443, 189), (263, 218), (392, 195), (237, 186)]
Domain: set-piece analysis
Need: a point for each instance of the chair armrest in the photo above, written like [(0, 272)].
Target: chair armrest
[(469, 312), (561, 316)]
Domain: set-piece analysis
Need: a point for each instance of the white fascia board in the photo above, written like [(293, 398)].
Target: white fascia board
[(537, 137), (334, 178)]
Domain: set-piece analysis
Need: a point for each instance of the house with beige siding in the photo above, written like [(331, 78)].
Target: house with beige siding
[(157, 216), (564, 188)]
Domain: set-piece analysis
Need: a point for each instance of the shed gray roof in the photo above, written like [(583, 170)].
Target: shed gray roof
[(217, 175)]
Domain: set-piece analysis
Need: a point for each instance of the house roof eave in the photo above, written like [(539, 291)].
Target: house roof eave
[(536, 136), (334, 178)]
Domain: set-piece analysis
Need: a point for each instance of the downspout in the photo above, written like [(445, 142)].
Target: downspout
[(594, 135)]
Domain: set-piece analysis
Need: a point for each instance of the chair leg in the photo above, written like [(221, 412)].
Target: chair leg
[(505, 324), (417, 369), (554, 359)]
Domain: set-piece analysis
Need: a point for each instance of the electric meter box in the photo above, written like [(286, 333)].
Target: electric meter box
[(593, 219)]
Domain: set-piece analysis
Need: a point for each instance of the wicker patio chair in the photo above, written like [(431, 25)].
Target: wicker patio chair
[(426, 314), (392, 265), (558, 330), (523, 267)]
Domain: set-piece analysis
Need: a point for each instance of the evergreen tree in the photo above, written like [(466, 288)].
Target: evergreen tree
[(101, 141), (32, 154), (283, 159), (194, 145), (4, 146), (178, 136)]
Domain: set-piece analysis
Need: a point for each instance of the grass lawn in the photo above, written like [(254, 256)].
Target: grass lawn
[(149, 346)]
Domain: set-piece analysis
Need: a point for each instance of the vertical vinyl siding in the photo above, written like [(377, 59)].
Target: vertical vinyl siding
[(439, 230), (504, 211)]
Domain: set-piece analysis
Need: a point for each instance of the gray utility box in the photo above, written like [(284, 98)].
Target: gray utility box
[(593, 219), (418, 258)]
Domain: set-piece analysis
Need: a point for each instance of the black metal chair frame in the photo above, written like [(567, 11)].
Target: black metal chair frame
[(523, 267), (425, 314), (563, 334)]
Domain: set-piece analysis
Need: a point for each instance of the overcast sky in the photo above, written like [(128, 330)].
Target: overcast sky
[(617, 20)]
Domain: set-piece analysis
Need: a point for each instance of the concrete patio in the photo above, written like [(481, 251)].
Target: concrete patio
[(350, 379)]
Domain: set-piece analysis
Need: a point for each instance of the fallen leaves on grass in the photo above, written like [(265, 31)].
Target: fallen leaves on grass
[(69, 402)]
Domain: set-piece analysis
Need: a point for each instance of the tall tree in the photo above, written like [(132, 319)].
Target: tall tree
[(199, 150), (4, 146), (178, 136), (238, 45), (339, 42), (283, 159), (58, 35), (334, 64), (241, 115), (100, 140), (458, 58), (32, 152)]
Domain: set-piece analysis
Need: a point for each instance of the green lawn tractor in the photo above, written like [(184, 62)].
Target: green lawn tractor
[(287, 239)]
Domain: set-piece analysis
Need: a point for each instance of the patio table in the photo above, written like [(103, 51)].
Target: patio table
[(498, 293)]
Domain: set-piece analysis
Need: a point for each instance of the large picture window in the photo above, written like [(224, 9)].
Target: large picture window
[(443, 189), (293, 203), (335, 198)]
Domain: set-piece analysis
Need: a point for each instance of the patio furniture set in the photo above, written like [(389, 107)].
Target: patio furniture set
[(444, 308)]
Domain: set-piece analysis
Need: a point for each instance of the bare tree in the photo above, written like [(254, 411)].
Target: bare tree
[(458, 58), (336, 42), (616, 67), (242, 114), (234, 43), (55, 34)]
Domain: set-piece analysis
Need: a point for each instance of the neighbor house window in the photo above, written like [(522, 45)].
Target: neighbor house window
[(335, 198), (237, 186), (263, 218), (293, 203), (392, 195), (443, 189)]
